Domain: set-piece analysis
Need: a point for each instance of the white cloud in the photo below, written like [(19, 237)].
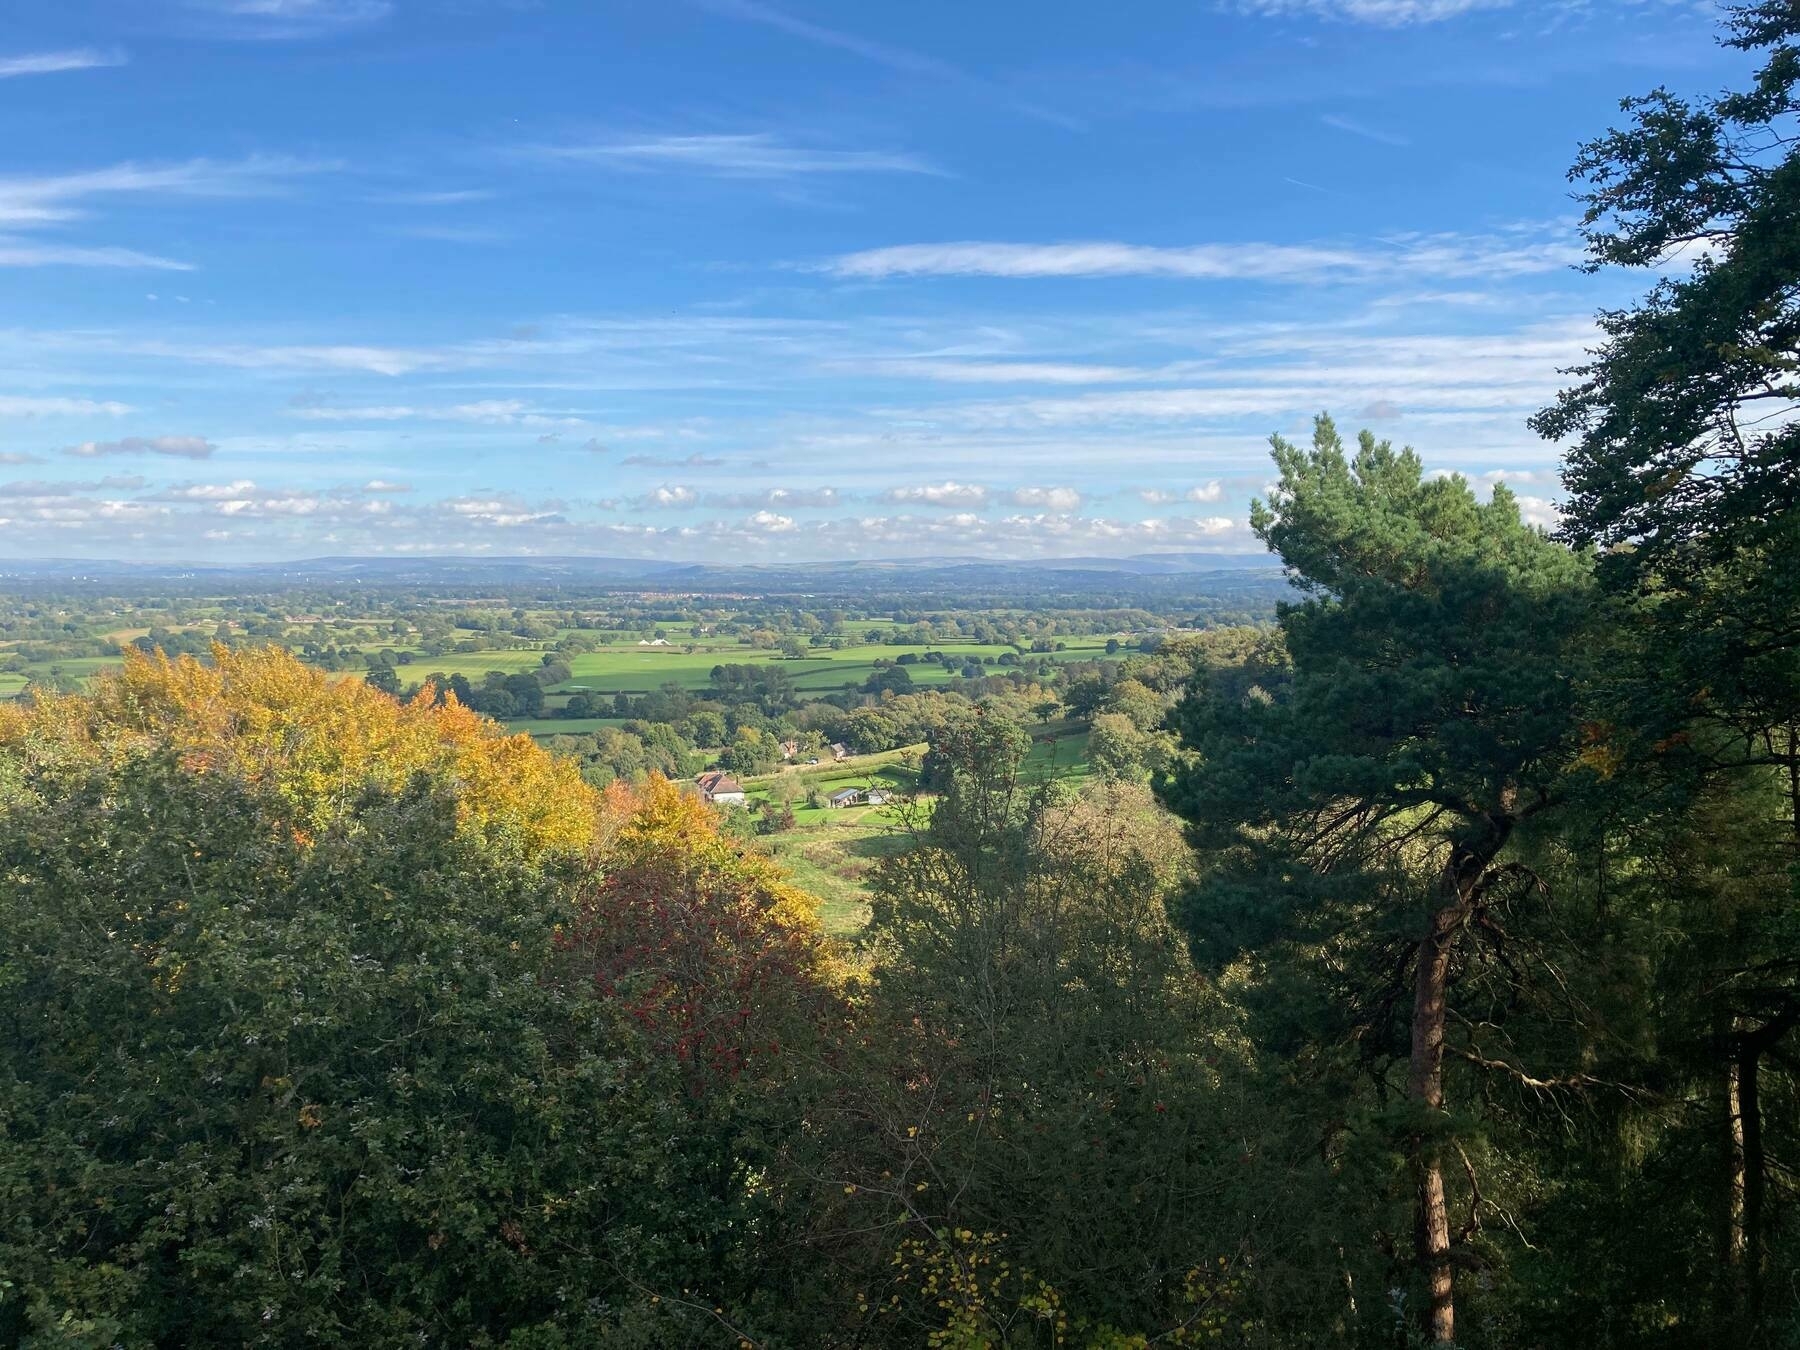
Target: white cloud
[(454, 234), (753, 155), (38, 488), (301, 359), (505, 512), (1540, 511), (1007, 372), (493, 412), (797, 497), (1363, 129), (1441, 255), (277, 504), (1205, 492), (1273, 378), (449, 197), (768, 522), (29, 253), (787, 499), (277, 20), (18, 406), (669, 496), (1508, 476), (1381, 13), (382, 485), (52, 198), (36, 202), (693, 461), (899, 59), (54, 63), (180, 447), (948, 494), (1050, 498), (211, 492)]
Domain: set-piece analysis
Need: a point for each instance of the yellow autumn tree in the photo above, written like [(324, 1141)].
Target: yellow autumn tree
[(318, 743)]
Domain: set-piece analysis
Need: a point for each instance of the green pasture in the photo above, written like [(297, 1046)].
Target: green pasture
[(1058, 751), (543, 727), (832, 860), (621, 665)]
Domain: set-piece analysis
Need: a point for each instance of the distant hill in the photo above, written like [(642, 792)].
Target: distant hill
[(452, 570)]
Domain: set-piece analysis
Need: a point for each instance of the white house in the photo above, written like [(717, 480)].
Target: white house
[(721, 788)]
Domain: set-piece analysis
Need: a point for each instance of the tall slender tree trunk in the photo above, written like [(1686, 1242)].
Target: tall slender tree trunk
[(1737, 1230), (1749, 1095), (1749, 1168), (1425, 1084)]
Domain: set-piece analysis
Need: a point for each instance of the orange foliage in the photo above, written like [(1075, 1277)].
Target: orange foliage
[(706, 947), (260, 713)]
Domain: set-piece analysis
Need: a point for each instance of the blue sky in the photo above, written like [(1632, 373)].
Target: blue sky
[(749, 281)]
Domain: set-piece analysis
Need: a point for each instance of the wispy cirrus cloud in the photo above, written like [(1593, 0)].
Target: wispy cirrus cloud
[(1380, 13), (33, 253), (750, 155), (54, 198), (58, 62), (40, 488), (1003, 372), (1419, 255), (454, 234), (35, 203), (367, 360), (19, 405), (285, 20), (447, 197), (693, 461), (488, 412), (179, 447), (903, 60), (1349, 124)]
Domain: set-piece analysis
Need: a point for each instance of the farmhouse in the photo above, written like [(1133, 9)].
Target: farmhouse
[(721, 788), (844, 797), (839, 750)]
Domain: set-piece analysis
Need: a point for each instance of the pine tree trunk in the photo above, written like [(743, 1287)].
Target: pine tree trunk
[(1737, 1230), (1425, 1084), (1737, 1235), (1749, 1096), (1749, 1178)]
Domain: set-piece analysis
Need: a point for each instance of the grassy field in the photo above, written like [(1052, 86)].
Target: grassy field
[(543, 727), (637, 670), (1058, 750), (830, 851), (832, 860), (621, 665)]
